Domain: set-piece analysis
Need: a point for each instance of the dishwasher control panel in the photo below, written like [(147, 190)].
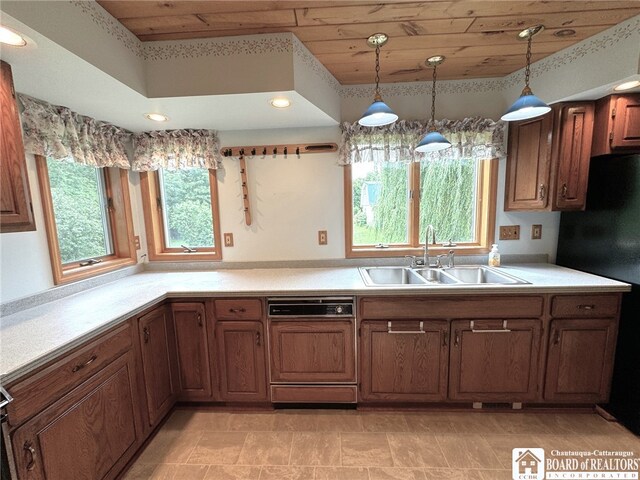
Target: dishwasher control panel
[(311, 307)]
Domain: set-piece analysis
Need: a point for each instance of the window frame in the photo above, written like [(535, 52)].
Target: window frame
[(116, 185), (487, 186), (154, 223)]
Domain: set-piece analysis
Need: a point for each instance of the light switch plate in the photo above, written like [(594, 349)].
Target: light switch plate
[(509, 232), (322, 237), (536, 232), (228, 239)]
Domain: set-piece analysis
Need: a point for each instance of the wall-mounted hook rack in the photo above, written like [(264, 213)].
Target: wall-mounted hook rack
[(245, 190), (299, 148)]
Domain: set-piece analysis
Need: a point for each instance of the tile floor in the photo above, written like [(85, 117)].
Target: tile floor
[(196, 444)]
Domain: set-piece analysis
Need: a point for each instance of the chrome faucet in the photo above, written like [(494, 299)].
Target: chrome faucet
[(426, 243)]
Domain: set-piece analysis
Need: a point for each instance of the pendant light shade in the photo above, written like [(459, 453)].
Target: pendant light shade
[(378, 113), (433, 141), (528, 105)]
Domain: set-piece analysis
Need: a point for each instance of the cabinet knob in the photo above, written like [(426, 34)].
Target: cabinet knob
[(31, 452)]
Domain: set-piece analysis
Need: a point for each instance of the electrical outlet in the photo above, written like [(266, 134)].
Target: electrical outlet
[(322, 237), (509, 232), (136, 241), (228, 239), (536, 232)]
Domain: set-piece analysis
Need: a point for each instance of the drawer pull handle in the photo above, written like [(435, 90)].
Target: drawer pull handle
[(258, 338), (237, 310), (390, 330), (564, 190), (28, 447), (445, 336), (456, 341), (504, 328), (556, 337), (80, 366), (586, 307), (200, 319), (147, 333), (542, 191)]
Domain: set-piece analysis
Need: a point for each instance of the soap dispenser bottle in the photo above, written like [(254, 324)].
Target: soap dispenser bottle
[(494, 256)]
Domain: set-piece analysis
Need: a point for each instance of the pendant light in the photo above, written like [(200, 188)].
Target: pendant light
[(378, 113), (433, 141), (528, 105)]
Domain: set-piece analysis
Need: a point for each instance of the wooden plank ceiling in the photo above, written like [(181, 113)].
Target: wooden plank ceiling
[(479, 38)]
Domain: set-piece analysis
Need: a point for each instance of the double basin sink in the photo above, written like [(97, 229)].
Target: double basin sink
[(464, 275)]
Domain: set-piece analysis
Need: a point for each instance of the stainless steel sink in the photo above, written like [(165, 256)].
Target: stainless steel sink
[(482, 275), (464, 275), (436, 275), (390, 276)]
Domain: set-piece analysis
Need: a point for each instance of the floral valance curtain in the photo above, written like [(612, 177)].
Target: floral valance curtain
[(476, 138), (176, 149), (57, 132)]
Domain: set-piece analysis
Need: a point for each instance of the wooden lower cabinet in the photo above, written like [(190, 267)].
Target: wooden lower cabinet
[(242, 361), (494, 360), (158, 365), (91, 433), (190, 324), (404, 360), (580, 360)]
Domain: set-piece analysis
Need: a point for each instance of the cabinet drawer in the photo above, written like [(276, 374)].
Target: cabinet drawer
[(388, 308), (313, 394), (40, 390), (238, 309), (585, 306)]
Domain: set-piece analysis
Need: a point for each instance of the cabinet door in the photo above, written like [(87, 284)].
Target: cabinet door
[(91, 433), (192, 351), (404, 360), (306, 351), (494, 360), (573, 155), (626, 122), (242, 361), (528, 164), (15, 198), (580, 360), (159, 379)]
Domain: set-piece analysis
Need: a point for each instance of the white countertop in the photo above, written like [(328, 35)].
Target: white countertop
[(34, 336)]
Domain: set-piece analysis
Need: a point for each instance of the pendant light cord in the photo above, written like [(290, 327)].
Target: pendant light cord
[(377, 96), (527, 70), (433, 97)]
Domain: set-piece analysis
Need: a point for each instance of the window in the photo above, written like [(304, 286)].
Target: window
[(390, 204), (87, 218), (181, 214)]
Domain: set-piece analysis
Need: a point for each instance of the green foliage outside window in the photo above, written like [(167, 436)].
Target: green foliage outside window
[(187, 201), (78, 205)]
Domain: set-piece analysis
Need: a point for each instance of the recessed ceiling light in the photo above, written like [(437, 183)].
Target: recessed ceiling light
[(9, 37), (280, 102), (627, 85), (156, 117), (565, 32)]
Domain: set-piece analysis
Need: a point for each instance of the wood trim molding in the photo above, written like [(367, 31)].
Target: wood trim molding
[(157, 249), (121, 219)]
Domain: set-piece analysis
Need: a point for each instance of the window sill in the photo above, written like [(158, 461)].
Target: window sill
[(80, 273), (185, 257), (369, 252)]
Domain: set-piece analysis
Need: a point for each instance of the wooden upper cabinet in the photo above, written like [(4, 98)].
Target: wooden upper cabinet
[(16, 212), (156, 339), (548, 159), (617, 125), (571, 155), (191, 327), (528, 164)]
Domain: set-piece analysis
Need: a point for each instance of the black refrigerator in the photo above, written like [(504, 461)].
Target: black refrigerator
[(605, 240)]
